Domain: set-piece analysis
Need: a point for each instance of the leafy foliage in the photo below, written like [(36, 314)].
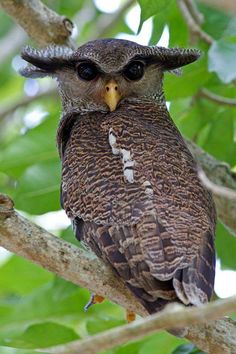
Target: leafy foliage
[(37, 309)]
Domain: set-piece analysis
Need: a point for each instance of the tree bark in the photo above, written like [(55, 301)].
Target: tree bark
[(41, 23)]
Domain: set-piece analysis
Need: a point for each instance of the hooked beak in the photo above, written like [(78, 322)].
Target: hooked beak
[(112, 95)]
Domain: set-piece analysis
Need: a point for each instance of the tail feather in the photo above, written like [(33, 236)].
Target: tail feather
[(195, 283)]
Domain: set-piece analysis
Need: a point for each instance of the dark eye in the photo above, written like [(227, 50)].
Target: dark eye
[(87, 71), (134, 71)]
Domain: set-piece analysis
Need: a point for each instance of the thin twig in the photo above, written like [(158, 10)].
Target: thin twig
[(173, 316), (40, 22), (192, 24), (26, 239), (196, 14), (216, 189), (25, 100), (224, 5), (217, 98)]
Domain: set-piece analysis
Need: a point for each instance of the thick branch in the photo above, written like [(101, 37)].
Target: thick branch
[(26, 239), (41, 23), (221, 175), (32, 242)]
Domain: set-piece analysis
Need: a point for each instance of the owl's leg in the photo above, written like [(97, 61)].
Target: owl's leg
[(94, 299), (130, 316)]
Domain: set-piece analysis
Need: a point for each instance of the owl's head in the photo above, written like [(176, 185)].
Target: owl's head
[(100, 74)]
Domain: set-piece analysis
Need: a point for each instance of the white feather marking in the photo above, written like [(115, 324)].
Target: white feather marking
[(148, 188), (128, 163), (112, 142)]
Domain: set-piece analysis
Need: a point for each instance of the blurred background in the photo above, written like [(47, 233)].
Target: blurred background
[(37, 308)]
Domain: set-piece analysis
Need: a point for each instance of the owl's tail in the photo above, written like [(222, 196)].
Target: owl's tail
[(159, 305)]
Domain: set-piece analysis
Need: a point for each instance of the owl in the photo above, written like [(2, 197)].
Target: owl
[(129, 183)]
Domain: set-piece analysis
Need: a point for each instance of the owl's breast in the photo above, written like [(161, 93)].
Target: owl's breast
[(116, 169)]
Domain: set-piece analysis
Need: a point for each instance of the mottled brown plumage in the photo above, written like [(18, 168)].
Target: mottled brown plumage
[(129, 182)]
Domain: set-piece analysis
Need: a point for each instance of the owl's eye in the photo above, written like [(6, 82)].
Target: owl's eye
[(134, 71), (87, 71)]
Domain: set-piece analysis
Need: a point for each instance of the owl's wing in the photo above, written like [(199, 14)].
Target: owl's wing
[(191, 268), (195, 283), (175, 225)]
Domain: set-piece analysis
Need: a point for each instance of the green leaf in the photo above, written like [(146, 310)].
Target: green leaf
[(7, 350), (36, 146), (220, 145), (225, 247), (69, 236), (102, 324), (190, 119), (215, 21), (130, 348), (221, 56), (159, 23), (193, 78), (161, 342), (43, 335), (178, 29), (38, 189), (150, 8), (62, 289), (20, 276)]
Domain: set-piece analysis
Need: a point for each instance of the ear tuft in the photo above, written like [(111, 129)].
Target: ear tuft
[(46, 61), (173, 58)]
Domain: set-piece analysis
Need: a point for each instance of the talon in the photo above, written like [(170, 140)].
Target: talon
[(94, 299), (130, 316), (98, 299)]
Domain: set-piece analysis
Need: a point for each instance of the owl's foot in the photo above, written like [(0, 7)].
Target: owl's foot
[(95, 299), (130, 316)]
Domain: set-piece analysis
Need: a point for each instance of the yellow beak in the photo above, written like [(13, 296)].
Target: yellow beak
[(112, 95)]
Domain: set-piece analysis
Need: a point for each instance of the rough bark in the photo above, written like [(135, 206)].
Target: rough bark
[(41, 23)]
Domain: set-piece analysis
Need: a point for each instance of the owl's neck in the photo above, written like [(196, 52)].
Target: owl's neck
[(81, 106)]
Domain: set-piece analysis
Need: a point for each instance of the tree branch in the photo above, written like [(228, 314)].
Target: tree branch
[(226, 5), (197, 15), (5, 110), (26, 239), (41, 23), (216, 98), (192, 24), (215, 189), (174, 315), (220, 174)]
